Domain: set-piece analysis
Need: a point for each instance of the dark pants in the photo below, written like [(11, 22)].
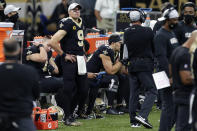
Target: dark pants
[(94, 86), (123, 89), (93, 93), (71, 80), (19, 124), (146, 80), (182, 113), (167, 113), (194, 113), (50, 85)]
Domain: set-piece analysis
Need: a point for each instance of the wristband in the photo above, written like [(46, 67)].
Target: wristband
[(63, 55), (40, 45)]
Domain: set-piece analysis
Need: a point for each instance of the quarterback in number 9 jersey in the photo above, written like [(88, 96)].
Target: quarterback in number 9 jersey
[(73, 43)]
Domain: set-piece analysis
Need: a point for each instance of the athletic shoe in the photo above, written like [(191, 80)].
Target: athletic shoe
[(113, 111), (71, 122), (98, 116), (135, 125), (122, 109), (143, 121)]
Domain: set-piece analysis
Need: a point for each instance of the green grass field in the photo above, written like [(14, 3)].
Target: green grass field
[(113, 123)]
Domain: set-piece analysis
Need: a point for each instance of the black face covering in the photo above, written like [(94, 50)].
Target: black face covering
[(14, 18), (172, 25), (188, 19), (2, 16)]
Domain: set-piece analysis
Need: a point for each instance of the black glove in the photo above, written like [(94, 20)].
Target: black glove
[(125, 62), (50, 68)]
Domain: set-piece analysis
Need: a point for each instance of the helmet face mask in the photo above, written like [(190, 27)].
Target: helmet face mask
[(100, 106)]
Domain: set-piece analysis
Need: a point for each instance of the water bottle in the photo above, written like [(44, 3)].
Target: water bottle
[(147, 21)]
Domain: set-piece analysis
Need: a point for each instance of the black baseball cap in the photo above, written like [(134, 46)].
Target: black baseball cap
[(114, 38)]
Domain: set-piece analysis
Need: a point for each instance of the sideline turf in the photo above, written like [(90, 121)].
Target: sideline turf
[(112, 123)]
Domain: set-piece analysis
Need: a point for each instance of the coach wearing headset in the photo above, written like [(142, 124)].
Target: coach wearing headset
[(165, 41), (139, 41), (187, 25)]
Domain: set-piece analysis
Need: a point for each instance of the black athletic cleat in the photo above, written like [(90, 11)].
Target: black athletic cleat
[(113, 111), (135, 125), (122, 109), (143, 121), (71, 122)]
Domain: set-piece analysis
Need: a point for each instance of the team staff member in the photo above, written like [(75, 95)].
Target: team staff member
[(159, 24), (103, 59), (164, 41), (183, 82), (187, 25), (19, 87), (70, 35), (2, 7), (12, 15), (139, 41)]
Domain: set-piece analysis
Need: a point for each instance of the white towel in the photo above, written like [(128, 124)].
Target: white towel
[(81, 65)]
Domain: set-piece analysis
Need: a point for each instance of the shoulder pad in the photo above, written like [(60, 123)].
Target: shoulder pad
[(64, 19), (107, 46)]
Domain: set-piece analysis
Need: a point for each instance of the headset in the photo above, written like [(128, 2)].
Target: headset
[(168, 12), (142, 14)]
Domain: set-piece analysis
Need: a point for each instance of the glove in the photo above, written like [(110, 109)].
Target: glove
[(100, 75), (125, 62), (50, 68)]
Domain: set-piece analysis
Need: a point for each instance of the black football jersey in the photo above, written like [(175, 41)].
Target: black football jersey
[(95, 64), (72, 42), (42, 68)]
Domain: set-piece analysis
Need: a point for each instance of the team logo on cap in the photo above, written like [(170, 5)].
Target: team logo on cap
[(74, 27)]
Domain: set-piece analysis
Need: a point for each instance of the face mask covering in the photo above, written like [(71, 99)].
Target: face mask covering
[(2, 16), (172, 26), (14, 18), (188, 19)]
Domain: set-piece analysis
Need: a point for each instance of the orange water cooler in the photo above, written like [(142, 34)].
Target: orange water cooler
[(5, 32)]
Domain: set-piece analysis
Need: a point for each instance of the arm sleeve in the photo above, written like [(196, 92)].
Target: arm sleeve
[(65, 24), (106, 51), (177, 31), (126, 38), (158, 45), (29, 51), (185, 63), (152, 40)]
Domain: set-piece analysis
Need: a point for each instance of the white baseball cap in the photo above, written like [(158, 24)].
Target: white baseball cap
[(74, 5), (172, 14), (10, 8), (134, 15)]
